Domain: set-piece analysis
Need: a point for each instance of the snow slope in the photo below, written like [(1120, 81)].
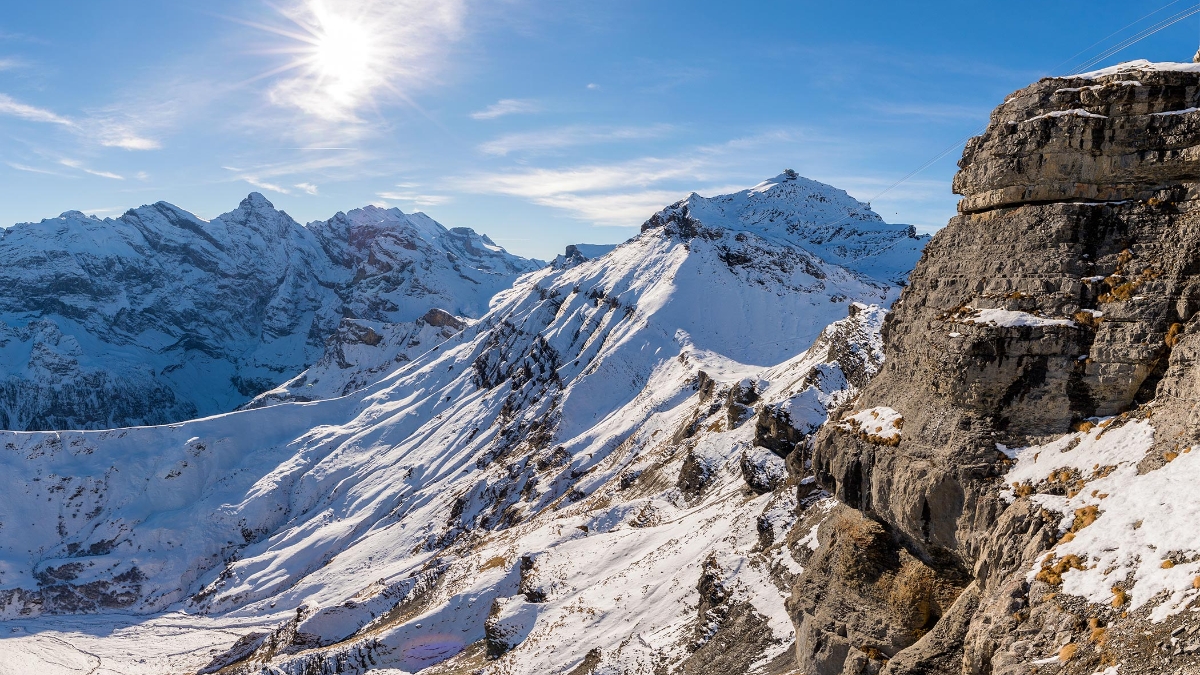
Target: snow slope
[(1133, 531), (159, 316), (581, 474)]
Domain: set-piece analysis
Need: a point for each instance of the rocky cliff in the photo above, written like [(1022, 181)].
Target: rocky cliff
[(1054, 321)]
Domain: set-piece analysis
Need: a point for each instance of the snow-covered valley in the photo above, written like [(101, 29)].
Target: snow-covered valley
[(604, 471)]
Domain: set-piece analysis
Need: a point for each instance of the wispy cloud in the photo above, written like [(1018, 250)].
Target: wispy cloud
[(32, 169), (621, 194), (13, 108), (103, 211), (11, 64), (625, 193), (507, 106), (272, 176), (103, 129), (120, 137), (75, 164), (566, 137), (414, 198), (264, 185)]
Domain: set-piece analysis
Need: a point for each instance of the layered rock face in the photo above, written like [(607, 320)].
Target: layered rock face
[(1065, 290)]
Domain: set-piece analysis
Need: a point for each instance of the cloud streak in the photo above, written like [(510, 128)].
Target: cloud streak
[(567, 137), (264, 185), (13, 108), (75, 164), (619, 194), (31, 169), (626, 193), (413, 198), (103, 130), (507, 106)]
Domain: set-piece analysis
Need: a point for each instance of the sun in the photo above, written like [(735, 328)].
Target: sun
[(344, 57), (343, 54), (337, 58)]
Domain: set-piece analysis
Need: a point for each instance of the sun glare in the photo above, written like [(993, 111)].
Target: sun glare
[(343, 54)]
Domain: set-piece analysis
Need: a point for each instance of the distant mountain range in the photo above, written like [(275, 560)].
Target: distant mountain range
[(160, 316)]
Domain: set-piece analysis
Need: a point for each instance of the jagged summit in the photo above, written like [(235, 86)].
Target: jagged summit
[(792, 210), (256, 201), (169, 316)]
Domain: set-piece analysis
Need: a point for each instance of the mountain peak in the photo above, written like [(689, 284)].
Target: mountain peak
[(255, 201), (792, 210)]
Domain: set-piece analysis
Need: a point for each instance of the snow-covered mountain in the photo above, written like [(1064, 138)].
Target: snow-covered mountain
[(606, 470), (795, 211), (160, 316)]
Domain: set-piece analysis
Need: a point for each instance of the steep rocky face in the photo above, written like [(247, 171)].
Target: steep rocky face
[(402, 265), (1066, 291), (159, 316), (361, 352)]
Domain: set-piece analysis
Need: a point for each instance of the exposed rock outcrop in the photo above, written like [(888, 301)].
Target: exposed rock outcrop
[(1067, 289)]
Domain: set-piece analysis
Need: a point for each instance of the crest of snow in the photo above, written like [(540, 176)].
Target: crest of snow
[(882, 422), (1006, 318), (1168, 113), (1122, 83), (1144, 519), (1140, 65), (1075, 112)]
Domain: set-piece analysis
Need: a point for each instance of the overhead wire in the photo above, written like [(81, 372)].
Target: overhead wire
[(1112, 35), (1124, 44), (1129, 42)]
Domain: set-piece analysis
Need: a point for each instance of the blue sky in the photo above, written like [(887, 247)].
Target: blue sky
[(539, 122)]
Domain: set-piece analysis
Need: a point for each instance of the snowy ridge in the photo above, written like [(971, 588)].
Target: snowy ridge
[(159, 316), (636, 409), (819, 218)]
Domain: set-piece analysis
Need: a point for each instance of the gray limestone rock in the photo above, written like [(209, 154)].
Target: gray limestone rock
[(1068, 287)]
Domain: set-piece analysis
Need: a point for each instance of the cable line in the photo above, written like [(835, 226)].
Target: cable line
[(1121, 46), (1162, 25)]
